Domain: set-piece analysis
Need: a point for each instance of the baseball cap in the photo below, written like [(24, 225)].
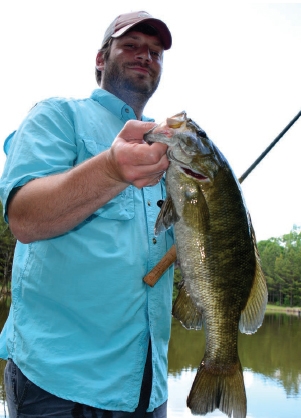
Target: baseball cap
[(126, 21)]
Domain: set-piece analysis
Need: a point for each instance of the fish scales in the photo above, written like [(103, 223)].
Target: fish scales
[(223, 286)]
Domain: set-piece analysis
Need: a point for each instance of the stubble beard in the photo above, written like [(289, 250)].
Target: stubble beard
[(116, 81)]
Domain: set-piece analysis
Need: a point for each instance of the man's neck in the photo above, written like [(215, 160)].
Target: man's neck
[(136, 101)]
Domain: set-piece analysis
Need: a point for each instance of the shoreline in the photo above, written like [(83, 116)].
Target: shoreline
[(285, 309)]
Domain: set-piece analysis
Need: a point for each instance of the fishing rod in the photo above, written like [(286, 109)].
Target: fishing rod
[(268, 149), (171, 256)]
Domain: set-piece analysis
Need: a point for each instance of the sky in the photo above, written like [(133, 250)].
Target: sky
[(234, 68)]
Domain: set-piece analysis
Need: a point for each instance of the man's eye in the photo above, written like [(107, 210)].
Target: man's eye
[(155, 53)]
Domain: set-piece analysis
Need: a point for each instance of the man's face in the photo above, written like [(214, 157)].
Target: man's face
[(134, 64)]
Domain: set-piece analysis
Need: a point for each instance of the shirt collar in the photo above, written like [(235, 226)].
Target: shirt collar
[(116, 106)]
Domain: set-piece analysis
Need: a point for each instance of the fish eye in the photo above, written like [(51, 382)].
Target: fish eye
[(202, 133)]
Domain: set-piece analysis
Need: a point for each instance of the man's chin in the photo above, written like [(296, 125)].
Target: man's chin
[(141, 85)]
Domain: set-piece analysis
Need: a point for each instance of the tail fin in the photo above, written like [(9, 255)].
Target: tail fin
[(223, 389)]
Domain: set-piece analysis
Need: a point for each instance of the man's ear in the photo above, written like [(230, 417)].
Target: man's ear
[(99, 62)]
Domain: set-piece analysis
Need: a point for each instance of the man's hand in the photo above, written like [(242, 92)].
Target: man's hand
[(132, 160)]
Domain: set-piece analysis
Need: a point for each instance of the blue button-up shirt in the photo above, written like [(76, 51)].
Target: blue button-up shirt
[(81, 315)]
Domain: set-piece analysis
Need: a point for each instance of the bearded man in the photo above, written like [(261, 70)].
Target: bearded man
[(86, 337)]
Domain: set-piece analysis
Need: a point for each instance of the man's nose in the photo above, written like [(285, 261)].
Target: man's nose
[(144, 54)]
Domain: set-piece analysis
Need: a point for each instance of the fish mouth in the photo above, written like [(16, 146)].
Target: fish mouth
[(195, 174), (186, 168)]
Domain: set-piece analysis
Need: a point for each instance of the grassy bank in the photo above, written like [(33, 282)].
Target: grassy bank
[(275, 308)]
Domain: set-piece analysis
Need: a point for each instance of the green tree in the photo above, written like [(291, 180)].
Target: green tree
[(281, 263), (176, 281), (269, 251), (7, 247)]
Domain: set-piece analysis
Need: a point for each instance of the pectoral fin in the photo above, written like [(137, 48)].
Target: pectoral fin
[(167, 216), (253, 314)]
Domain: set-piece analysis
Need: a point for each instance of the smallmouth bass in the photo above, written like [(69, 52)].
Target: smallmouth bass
[(223, 285)]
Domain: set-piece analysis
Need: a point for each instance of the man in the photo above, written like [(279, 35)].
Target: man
[(86, 337)]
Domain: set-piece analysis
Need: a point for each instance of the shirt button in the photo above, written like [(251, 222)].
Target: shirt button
[(154, 241), (149, 203), (127, 110)]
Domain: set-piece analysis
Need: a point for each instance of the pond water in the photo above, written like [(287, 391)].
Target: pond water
[(271, 362), (270, 359)]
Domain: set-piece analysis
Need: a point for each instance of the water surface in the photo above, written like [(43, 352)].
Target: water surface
[(271, 363)]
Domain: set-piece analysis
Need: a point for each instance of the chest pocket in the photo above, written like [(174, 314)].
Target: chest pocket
[(122, 206)]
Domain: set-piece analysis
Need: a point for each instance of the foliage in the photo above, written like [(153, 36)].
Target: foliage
[(281, 264), (7, 247), (176, 281)]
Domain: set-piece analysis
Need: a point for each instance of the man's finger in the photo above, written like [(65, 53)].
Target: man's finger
[(144, 154), (134, 130)]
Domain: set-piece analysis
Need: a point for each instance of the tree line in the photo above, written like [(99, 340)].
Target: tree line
[(281, 264), (280, 257)]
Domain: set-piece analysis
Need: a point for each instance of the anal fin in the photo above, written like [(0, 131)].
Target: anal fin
[(185, 310)]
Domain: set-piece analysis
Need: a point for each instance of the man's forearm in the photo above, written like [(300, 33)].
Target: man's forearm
[(50, 206)]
